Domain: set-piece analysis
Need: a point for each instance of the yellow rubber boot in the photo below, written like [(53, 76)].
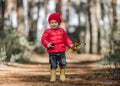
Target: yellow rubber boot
[(62, 74), (52, 75)]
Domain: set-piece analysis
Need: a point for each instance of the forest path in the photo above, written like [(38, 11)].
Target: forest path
[(80, 71)]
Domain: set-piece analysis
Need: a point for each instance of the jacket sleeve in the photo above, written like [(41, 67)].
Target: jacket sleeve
[(44, 39), (68, 41)]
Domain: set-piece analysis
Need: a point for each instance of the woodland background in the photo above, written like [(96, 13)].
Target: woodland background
[(94, 22), (23, 59)]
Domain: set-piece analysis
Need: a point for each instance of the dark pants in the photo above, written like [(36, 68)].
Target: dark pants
[(57, 58)]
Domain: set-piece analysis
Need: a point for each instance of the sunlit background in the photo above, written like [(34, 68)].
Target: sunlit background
[(92, 25), (93, 22)]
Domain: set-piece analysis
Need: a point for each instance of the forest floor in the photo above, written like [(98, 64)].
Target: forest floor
[(81, 71)]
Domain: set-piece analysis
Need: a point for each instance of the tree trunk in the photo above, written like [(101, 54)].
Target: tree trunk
[(67, 14), (59, 6), (90, 25), (2, 4), (114, 26), (20, 17), (25, 7), (93, 28), (88, 34), (98, 17)]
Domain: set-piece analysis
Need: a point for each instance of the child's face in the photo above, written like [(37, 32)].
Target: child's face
[(54, 24)]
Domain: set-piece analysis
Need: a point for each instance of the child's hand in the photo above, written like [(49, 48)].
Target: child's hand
[(76, 46), (51, 45), (72, 46)]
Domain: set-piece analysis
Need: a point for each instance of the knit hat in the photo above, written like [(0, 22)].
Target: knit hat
[(55, 16)]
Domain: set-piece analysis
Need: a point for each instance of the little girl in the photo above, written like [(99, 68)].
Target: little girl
[(55, 40)]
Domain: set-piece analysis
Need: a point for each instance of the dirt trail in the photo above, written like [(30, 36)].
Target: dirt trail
[(80, 71)]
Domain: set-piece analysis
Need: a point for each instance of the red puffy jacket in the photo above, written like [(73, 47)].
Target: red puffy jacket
[(58, 37)]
